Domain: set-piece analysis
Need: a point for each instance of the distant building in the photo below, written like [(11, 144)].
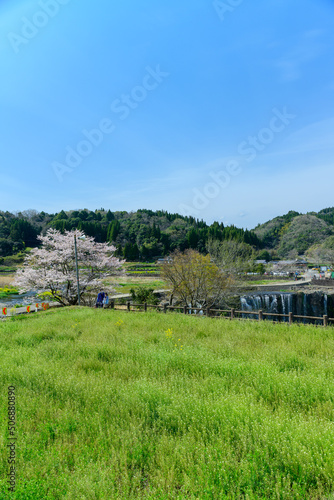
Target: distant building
[(163, 260), (302, 263), (296, 262)]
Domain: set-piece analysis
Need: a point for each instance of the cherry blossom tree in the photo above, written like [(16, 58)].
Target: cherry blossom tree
[(51, 268)]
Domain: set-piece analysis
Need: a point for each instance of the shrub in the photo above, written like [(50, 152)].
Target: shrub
[(143, 294)]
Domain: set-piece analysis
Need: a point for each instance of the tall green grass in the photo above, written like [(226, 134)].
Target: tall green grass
[(117, 405), (7, 291)]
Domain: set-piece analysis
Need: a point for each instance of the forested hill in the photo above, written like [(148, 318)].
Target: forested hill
[(143, 234), (290, 235)]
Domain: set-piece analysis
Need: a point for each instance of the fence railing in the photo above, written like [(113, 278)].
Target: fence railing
[(227, 313)]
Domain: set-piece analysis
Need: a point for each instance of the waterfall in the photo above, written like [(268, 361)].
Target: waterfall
[(286, 301), (301, 304), (289, 303), (283, 303), (245, 305), (269, 302)]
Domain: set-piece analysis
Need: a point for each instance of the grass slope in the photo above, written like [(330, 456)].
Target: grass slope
[(116, 405)]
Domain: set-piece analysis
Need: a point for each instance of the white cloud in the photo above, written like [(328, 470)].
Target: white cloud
[(290, 65), (313, 137)]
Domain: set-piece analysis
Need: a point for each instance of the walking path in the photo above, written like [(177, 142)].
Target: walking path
[(15, 311), (285, 283)]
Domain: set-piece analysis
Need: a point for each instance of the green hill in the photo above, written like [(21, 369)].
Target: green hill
[(270, 232), (147, 234), (301, 233), (292, 234)]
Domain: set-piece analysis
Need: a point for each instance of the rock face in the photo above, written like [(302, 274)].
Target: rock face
[(301, 303)]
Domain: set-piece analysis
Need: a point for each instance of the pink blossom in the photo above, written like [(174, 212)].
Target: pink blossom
[(52, 266)]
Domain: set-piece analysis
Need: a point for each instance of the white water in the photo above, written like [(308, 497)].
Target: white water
[(284, 303)]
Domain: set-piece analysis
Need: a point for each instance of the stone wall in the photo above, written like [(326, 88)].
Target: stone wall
[(323, 282)]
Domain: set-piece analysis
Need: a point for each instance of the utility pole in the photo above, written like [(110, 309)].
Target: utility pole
[(76, 267)]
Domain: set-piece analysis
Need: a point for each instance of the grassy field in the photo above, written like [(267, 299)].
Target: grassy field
[(142, 268), (123, 284), (115, 405)]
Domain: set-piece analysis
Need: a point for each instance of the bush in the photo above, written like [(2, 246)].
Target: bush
[(142, 295)]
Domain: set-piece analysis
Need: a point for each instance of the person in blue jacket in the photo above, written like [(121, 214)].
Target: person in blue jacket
[(99, 300)]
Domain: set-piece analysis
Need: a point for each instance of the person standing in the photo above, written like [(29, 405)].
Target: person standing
[(99, 300), (105, 300)]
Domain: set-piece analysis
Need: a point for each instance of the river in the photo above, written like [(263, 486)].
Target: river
[(21, 299)]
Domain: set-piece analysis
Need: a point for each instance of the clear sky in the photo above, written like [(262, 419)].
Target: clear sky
[(223, 110)]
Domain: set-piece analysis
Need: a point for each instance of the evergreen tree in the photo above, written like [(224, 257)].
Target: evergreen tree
[(109, 216), (113, 230), (193, 238)]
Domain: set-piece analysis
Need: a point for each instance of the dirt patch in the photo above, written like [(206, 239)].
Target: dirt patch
[(6, 280)]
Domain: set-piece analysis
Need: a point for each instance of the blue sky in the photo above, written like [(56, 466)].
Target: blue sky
[(223, 110)]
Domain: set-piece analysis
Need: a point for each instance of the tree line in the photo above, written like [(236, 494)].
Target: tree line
[(139, 235)]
